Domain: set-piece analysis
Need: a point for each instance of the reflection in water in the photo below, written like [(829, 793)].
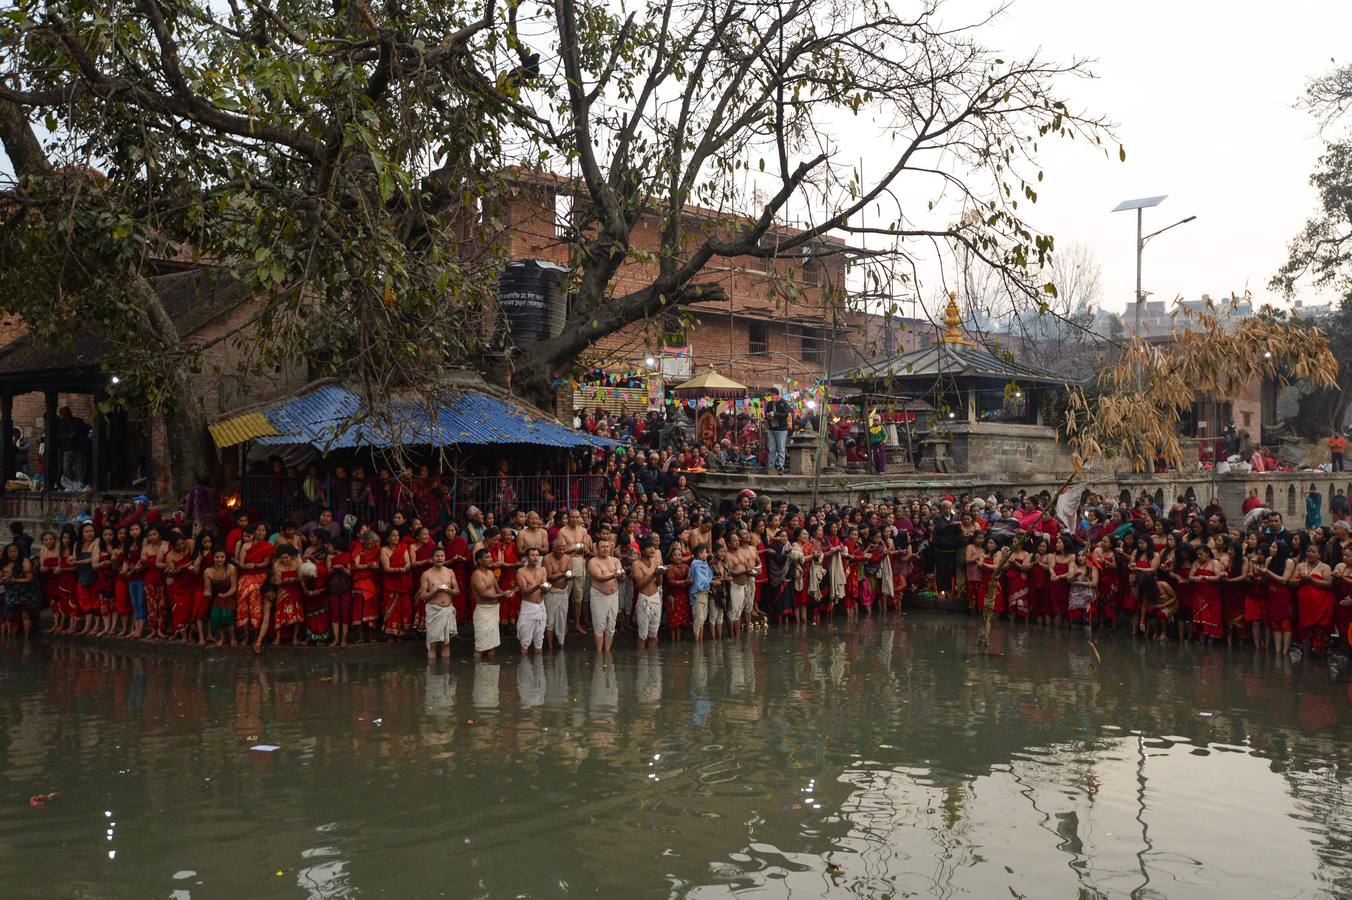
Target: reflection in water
[(861, 762)]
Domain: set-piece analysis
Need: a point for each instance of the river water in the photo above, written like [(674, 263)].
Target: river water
[(887, 760)]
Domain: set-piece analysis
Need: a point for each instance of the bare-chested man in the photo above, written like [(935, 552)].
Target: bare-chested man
[(436, 589), (558, 576), (605, 571), (742, 590), (579, 544), (530, 622), (483, 587), (533, 535), (646, 570)]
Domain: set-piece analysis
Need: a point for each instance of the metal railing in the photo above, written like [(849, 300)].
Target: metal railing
[(277, 499)]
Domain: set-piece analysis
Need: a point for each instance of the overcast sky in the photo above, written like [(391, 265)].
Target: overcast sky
[(1204, 95)]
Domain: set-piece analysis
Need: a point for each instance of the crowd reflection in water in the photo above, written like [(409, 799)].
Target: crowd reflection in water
[(732, 731)]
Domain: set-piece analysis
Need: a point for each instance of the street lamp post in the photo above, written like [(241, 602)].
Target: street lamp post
[(1140, 205)]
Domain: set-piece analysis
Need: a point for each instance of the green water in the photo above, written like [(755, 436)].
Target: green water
[(888, 760)]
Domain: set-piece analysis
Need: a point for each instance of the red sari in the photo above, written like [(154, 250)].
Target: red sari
[(155, 589), (317, 604), (1277, 606), (1255, 596), (677, 596), (1315, 608), (508, 607), (1059, 591), (1207, 610), (1040, 591), (852, 566), (397, 603), (1016, 588), (458, 546), (181, 586), (121, 596), (290, 607), (422, 561), (365, 586), (249, 592)]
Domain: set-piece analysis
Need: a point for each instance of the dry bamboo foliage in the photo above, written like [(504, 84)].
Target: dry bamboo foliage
[(1137, 402)]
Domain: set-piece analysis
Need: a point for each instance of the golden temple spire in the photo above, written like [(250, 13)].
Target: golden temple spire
[(953, 319)]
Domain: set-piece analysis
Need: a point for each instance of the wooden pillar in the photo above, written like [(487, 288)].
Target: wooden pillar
[(7, 429), (50, 473), (971, 405)]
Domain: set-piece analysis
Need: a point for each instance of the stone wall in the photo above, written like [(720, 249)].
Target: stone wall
[(1283, 492), (991, 448)]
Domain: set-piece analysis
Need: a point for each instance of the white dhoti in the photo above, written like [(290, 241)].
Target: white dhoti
[(440, 624), (648, 613), (556, 613), (530, 625), (739, 599), (485, 620), (530, 681), (605, 610)]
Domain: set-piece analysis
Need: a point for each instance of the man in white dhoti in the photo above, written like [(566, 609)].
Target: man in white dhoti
[(484, 590), (558, 583), (530, 621), (605, 571), (436, 590), (647, 572)]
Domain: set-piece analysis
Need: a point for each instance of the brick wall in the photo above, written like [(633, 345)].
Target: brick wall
[(758, 298)]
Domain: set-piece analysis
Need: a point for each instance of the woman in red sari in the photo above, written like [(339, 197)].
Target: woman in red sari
[(1342, 593), (853, 557), (423, 546), (503, 554), (457, 559), (1205, 577), (253, 555), (1254, 585), (288, 611), (121, 592), (204, 551), (49, 567), (677, 594), (396, 562), (990, 563), (1277, 606), (1060, 575), (315, 592), (1314, 600), (1040, 584), (1109, 590), (153, 552), (181, 582), (366, 606)]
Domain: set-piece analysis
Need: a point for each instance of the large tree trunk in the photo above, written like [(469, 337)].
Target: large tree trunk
[(191, 452)]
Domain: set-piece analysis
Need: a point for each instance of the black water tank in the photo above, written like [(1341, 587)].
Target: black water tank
[(534, 299)]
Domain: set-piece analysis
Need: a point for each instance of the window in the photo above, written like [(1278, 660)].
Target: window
[(758, 338), (563, 214), (812, 347), (1248, 419)]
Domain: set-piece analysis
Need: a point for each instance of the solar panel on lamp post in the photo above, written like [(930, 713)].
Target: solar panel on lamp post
[(1140, 205)]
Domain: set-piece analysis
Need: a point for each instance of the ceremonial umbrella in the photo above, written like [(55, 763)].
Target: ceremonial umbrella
[(712, 385)]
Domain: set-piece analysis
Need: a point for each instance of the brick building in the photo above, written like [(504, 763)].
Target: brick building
[(783, 318), (127, 448)]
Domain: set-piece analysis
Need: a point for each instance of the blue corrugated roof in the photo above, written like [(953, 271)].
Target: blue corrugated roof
[(331, 417)]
